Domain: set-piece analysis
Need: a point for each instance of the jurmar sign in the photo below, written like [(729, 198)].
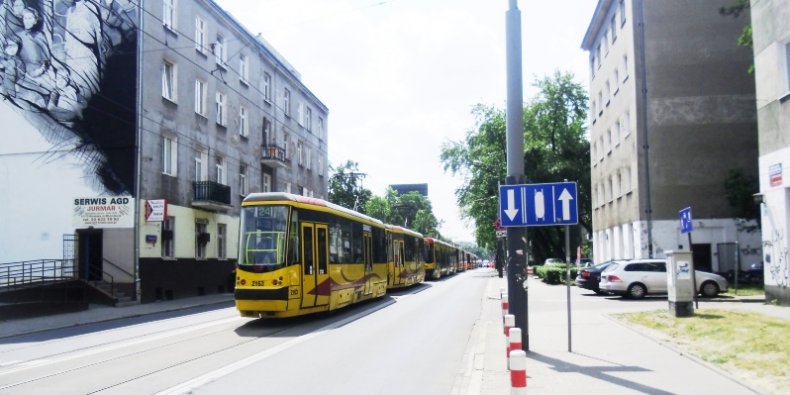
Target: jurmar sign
[(103, 212)]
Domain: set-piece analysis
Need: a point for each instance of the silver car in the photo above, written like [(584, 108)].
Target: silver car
[(641, 277)]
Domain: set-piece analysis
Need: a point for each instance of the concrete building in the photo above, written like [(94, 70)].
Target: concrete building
[(671, 115), (150, 121), (771, 35)]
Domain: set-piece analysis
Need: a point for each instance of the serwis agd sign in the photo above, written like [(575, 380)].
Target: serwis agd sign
[(103, 212)]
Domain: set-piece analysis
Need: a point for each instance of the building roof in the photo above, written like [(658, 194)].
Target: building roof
[(598, 19)]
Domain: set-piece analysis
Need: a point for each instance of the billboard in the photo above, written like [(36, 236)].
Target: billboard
[(68, 105)]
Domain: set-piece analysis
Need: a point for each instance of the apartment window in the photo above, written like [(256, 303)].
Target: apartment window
[(201, 238), (221, 51), (287, 102), (627, 180), (787, 65), (201, 35), (613, 26), (321, 130), (169, 14), (169, 155), (625, 67), (244, 128), (243, 69), (609, 141), (611, 190), (168, 237), (221, 172), (622, 12), (600, 103), (169, 81), (200, 97), (267, 182), (603, 148), (308, 119), (320, 165), (222, 251), (598, 56), (222, 115), (625, 124), (243, 180), (605, 41), (616, 133), (619, 185), (308, 158), (616, 81), (592, 67), (608, 93), (299, 154), (201, 166), (267, 87)]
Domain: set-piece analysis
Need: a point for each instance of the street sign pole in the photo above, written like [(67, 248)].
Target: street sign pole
[(516, 236)]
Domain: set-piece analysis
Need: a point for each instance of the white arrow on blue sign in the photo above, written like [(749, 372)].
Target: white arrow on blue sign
[(538, 204), (685, 220)]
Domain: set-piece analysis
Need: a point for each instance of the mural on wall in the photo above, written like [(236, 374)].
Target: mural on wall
[(68, 72)]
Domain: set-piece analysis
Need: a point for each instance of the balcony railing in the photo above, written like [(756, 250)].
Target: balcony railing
[(211, 195), (273, 155)]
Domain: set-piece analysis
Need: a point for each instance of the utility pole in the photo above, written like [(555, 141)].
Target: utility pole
[(516, 236)]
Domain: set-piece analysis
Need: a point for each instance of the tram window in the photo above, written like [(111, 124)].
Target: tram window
[(380, 245), (307, 236), (345, 251), (335, 243), (322, 251), (293, 239), (356, 241)]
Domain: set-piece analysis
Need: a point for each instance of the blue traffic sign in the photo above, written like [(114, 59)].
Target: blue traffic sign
[(538, 204), (685, 220)]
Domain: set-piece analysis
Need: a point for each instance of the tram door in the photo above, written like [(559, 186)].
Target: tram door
[(315, 273), (397, 246), (368, 252)]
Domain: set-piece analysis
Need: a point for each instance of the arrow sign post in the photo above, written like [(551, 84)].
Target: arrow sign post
[(538, 204)]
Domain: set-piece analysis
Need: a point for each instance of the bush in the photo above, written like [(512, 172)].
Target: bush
[(554, 274)]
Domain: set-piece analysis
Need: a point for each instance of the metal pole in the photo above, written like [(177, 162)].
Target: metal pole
[(516, 236), (693, 274), (645, 135), (568, 279)]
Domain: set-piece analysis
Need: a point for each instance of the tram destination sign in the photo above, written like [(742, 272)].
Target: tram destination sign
[(548, 204)]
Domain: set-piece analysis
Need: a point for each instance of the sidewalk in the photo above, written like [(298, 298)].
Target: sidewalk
[(606, 357)]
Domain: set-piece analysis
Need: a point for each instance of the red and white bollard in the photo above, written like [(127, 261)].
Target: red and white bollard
[(514, 340), (505, 304), (518, 372), (510, 321)]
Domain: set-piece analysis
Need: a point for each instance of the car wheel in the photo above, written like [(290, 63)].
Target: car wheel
[(599, 292), (637, 291), (709, 289)]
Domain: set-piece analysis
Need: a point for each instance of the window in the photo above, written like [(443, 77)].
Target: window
[(619, 185), (169, 155), (627, 180), (287, 102), (321, 130), (244, 128), (608, 93), (169, 81), (625, 124), (616, 81), (308, 158), (308, 116), (243, 180), (168, 237), (320, 165), (169, 14), (625, 67), (299, 154), (598, 56), (222, 116), (592, 66), (201, 166), (243, 69), (616, 133), (611, 189), (201, 238), (222, 251), (221, 173), (600, 103), (622, 12), (267, 182), (221, 51), (609, 141), (605, 41), (613, 26), (787, 65), (201, 35), (267, 87), (200, 97)]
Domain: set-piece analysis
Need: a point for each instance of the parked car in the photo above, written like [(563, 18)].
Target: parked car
[(590, 277), (586, 262), (641, 277)]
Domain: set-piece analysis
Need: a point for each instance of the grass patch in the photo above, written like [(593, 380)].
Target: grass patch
[(753, 346), (746, 290)]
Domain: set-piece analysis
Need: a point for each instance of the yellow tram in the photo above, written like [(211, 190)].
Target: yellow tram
[(405, 263), (441, 258), (300, 255)]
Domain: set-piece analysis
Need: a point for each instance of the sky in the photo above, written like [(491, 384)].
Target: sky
[(400, 77)]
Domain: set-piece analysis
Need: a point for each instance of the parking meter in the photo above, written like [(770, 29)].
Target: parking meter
[(680, 288)]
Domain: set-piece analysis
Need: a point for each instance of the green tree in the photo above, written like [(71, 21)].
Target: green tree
[(745, 38), (411, 210), (555, 149), (345, 187)]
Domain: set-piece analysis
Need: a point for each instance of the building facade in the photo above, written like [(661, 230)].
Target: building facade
[(671, 116), (771, 35), (171, 105)]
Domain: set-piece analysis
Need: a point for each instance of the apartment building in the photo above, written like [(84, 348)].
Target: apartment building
[(139, 128), (771, 36), (671, 115)]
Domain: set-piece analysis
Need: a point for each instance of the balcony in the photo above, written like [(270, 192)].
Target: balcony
[(211, 195), (273, 156)]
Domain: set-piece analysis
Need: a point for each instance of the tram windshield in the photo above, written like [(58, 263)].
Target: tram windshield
[(427, 252), (263, 237)]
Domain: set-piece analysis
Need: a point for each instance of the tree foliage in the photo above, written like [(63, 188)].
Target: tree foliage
[(411, 210), (555, 149), (345, 187)]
